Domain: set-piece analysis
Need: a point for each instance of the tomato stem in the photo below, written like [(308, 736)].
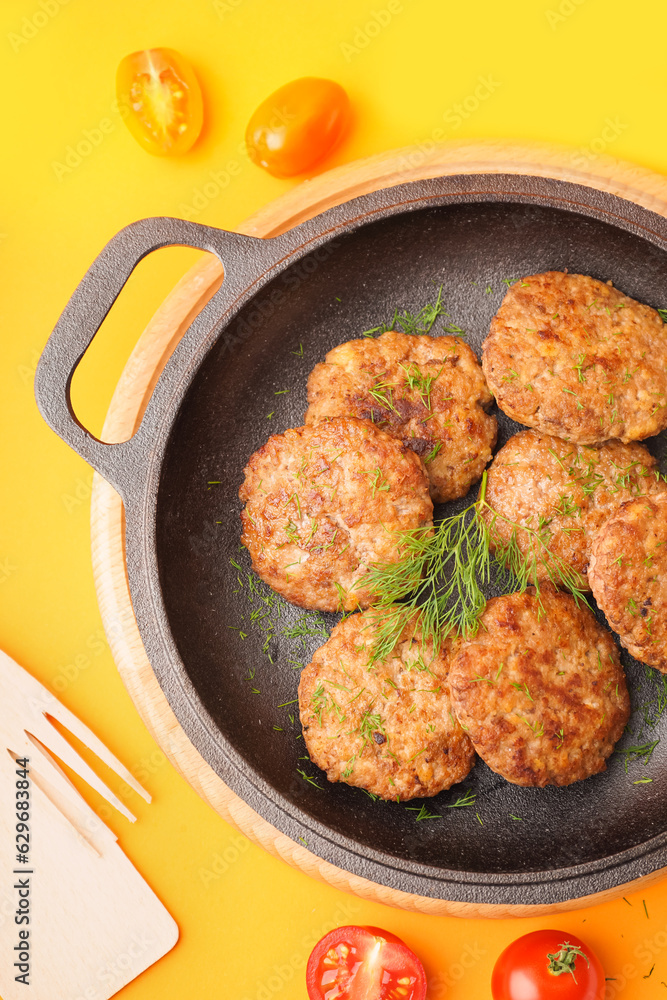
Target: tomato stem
[(564, 960)]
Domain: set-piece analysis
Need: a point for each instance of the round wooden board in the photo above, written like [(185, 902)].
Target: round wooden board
[(134, 389)]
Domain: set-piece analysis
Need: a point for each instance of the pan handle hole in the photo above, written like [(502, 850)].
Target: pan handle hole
[(161, 298)]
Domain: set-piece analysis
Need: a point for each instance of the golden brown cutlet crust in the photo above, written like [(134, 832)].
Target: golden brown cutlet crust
[(389, 729), (574, 357), (628, 575), (543, 699), (570, 490), (449, 414), (323, 503)]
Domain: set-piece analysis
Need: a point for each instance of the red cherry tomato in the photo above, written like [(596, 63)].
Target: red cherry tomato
[(163, 99), (364, 963), (297, 126), (548, 965)]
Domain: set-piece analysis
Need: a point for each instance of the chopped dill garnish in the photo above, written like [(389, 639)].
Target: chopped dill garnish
[(653, 709), (416, 380), (417, 323), (453, 330), (309, 625), (381, 391), (412, 323), (377, 481), (369, 725), (536, 727), (350, 767), (423, 813), (662, 313), (467, 799), (299, 353), (579, 367), (266, 616), (642, 753), (308, 778)]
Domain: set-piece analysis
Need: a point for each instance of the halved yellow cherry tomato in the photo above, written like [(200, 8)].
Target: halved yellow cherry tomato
[(163, 102), (298, 125)]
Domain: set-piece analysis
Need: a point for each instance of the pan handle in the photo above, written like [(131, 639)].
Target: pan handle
[(244, 259)]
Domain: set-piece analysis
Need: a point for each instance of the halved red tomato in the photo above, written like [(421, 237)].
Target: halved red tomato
[(364, 963), (161, 100)]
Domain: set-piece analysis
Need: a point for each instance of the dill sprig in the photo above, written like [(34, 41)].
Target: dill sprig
[(642, 753), (468, 798), (654, 708), (538, 563), (415, 380), (417, 323), (443, 569), (423, 813)]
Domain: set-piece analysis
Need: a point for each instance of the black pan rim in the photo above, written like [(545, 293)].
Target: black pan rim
[(553, 886)]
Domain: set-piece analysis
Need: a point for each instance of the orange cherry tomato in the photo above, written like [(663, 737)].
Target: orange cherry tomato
[(297, 126), (162, 100)]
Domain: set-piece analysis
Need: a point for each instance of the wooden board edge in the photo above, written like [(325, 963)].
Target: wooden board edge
[(605, 173), (126, 409)]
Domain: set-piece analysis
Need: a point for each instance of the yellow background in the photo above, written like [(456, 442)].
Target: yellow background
[(562, 69)]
